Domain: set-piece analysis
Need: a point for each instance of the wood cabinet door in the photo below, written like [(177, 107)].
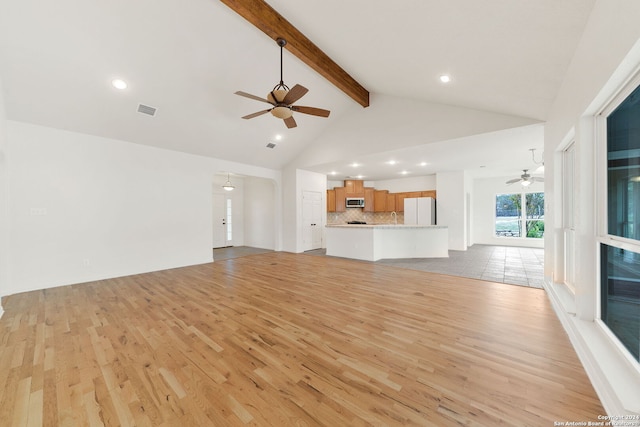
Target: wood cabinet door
[(340, 196), (348, 186), (400, 201), (368, 199), (331, 200), (391, 202), (380, 200), (354, 187)]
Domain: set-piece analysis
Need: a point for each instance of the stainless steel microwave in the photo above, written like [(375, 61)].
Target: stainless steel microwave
[(355, 202)]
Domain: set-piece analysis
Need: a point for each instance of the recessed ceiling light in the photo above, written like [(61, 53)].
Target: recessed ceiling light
[(333, 173), (355, 164), (278, 137), (119, 84), (423, 163), (445, 78), (391, 162), (360, 176), (404, 172)]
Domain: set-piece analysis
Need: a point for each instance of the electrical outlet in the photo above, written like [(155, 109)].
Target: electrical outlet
[(38, 211)]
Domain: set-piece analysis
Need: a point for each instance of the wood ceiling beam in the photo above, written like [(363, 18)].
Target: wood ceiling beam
[(270, 22)]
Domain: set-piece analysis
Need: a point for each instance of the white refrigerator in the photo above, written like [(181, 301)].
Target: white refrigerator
[(420, 211)]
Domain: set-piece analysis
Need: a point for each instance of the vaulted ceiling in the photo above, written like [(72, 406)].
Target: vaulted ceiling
[(506, 59)]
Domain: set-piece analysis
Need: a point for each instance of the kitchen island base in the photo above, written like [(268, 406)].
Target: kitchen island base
[(372, 242)]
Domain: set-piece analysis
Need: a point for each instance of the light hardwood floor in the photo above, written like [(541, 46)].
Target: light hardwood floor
[(280, 339)]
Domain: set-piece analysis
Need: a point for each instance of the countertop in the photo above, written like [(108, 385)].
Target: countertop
[(373, 225)]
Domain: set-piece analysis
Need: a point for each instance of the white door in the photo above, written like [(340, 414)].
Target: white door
[(311, 220), (219, 221)]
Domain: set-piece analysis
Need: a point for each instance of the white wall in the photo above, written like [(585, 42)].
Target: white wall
[(417, 183), (85, 208), (289, 214), (405, 121), (414, 183), (484, 195), (295, 182), (259, 213), (451, 207), (606, 56), (4, 203)]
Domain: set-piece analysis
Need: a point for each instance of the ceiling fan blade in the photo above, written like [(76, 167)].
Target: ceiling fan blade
[(259, 113), (513, 181), (290, 122), (311, 110), (536, 179), (248, 95), (294, 94)]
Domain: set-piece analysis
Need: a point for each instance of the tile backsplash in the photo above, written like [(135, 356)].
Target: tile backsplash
[(357, 214)]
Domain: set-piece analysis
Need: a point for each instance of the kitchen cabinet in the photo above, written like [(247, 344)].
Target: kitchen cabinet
[(354, 188), (400, 201), (430, 193), (380, 200), (391, 202), (331, 200), (341, 194), (368, 199)]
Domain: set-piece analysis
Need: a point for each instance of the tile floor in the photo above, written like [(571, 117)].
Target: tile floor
[(506, 264)]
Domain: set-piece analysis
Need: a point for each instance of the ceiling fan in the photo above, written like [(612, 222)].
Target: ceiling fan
[(282, 99), (526, 179)]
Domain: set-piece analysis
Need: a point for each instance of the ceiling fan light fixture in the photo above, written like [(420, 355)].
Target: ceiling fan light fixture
[(279, 94), (282, 112), (281, 98), (526, 183), (227, 185)]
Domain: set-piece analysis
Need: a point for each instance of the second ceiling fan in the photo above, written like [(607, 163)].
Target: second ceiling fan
[(282, 98)]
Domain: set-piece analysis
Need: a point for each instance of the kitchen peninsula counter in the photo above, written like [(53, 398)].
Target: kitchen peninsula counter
[(371, 242)]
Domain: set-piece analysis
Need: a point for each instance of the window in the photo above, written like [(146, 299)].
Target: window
[(620, 295), (620, 241), (623, 168), (229, 222), (510, 216)]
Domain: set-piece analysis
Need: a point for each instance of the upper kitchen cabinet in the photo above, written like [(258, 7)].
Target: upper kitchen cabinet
[(331, 200), (391, 202), (400, 201), (430, 193), (341, 195), (369, 203), (354, 187), (380, 200)]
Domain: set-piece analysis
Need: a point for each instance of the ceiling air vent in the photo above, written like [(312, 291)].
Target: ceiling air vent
[(271, 145), (145, 109)]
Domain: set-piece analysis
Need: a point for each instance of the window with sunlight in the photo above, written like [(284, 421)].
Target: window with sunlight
[(511, 217)]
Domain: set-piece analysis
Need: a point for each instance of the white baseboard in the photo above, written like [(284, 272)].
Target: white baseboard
[(616, 382)]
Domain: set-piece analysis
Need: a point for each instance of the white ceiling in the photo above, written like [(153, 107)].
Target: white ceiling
[(187, 59)]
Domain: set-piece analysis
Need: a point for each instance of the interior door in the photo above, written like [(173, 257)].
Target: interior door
[(219, 221), (311, 220)]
